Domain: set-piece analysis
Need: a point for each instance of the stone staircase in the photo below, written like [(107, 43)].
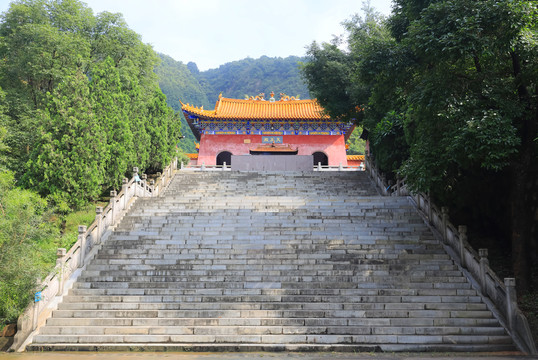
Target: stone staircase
[(274, 261)]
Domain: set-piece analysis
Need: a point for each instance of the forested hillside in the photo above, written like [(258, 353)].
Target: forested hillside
[(177, 82), (234, 80), (253, 76)]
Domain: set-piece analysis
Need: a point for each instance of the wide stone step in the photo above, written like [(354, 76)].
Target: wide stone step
[(265, 305), (415, 323), (257, 347), (318, 298), (259, 329), (393, 291), (277, 339), (364, 294), (272, 313), (272, 261)]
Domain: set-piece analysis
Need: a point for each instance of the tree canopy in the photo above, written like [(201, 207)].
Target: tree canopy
[(82, 101), (447, 90)]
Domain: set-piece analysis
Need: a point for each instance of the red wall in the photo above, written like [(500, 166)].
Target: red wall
[(332, 145)]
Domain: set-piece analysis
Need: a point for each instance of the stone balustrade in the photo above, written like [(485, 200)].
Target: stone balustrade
[(69, 263), (502, 294)]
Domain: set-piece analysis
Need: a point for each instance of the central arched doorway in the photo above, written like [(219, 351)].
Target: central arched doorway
[(224, 157), (320, 157)]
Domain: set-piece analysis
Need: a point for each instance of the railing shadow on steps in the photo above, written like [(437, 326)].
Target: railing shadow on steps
[(69, 264), (501, 295)]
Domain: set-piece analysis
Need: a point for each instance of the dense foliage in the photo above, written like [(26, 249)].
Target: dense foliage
[(83, 103), (447, 90), (247, 77), (23, 236), (80, 105)]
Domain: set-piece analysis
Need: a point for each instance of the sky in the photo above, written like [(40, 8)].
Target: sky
[(214, 32)]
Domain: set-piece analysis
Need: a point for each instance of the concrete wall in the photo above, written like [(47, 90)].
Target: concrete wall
[(272, 162), (332, 145)]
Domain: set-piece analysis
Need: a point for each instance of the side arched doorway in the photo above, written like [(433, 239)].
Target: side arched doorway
[(320, 157), (224, 157)]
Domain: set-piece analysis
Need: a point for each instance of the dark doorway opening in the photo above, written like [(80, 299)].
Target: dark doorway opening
[(224, 157), (320, 157)]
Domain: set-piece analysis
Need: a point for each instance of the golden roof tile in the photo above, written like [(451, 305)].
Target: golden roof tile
[(254, 109)]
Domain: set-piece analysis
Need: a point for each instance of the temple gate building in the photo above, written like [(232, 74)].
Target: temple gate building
[(257, 126)]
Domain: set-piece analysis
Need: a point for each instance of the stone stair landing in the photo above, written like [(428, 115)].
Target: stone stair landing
[(272, 261)]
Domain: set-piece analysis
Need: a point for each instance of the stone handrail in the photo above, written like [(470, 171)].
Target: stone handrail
[(225, 167), (69, 263), (502, 295), (387, 188)]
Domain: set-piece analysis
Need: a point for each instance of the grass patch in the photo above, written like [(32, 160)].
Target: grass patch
[(84, 216)]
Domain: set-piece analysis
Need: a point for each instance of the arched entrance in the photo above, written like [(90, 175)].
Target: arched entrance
[(320, 157), (224, 157)]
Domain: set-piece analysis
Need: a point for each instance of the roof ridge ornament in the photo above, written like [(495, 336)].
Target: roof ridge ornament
[(284, 97), (259, 97)]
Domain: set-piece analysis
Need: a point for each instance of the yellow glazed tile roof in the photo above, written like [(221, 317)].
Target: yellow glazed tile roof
[(192, 156), (254, 109), (355, 157)]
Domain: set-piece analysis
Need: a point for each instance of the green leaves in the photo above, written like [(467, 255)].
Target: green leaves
[(81, 100), (22, 232)]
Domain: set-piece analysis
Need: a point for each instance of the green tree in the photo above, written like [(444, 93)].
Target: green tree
[(163, 126), (109, 105), (356, 144), (37, 55), (448, 98), (21, 231), (68, 159), (471, 103)]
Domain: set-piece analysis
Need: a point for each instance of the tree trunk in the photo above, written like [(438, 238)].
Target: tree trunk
[(522, 219), (524, 190)]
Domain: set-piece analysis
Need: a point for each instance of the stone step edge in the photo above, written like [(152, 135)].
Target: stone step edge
[(241, 347)]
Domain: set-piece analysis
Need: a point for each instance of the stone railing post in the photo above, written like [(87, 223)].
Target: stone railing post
[(99, 218), (161, 179), (462, 229), (60, 262), (483, 254), (511, 299), (319, 165), (340, 167), (82, 240), (444, 216), (137, 179), (181, 165), (144, 184), (113, 195), (398, 185), (125, 183), (37, 298), (430, 208), (223, 165), (203, 166)]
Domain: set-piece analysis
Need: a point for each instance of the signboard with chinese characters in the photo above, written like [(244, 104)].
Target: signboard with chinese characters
[(272, 139)]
